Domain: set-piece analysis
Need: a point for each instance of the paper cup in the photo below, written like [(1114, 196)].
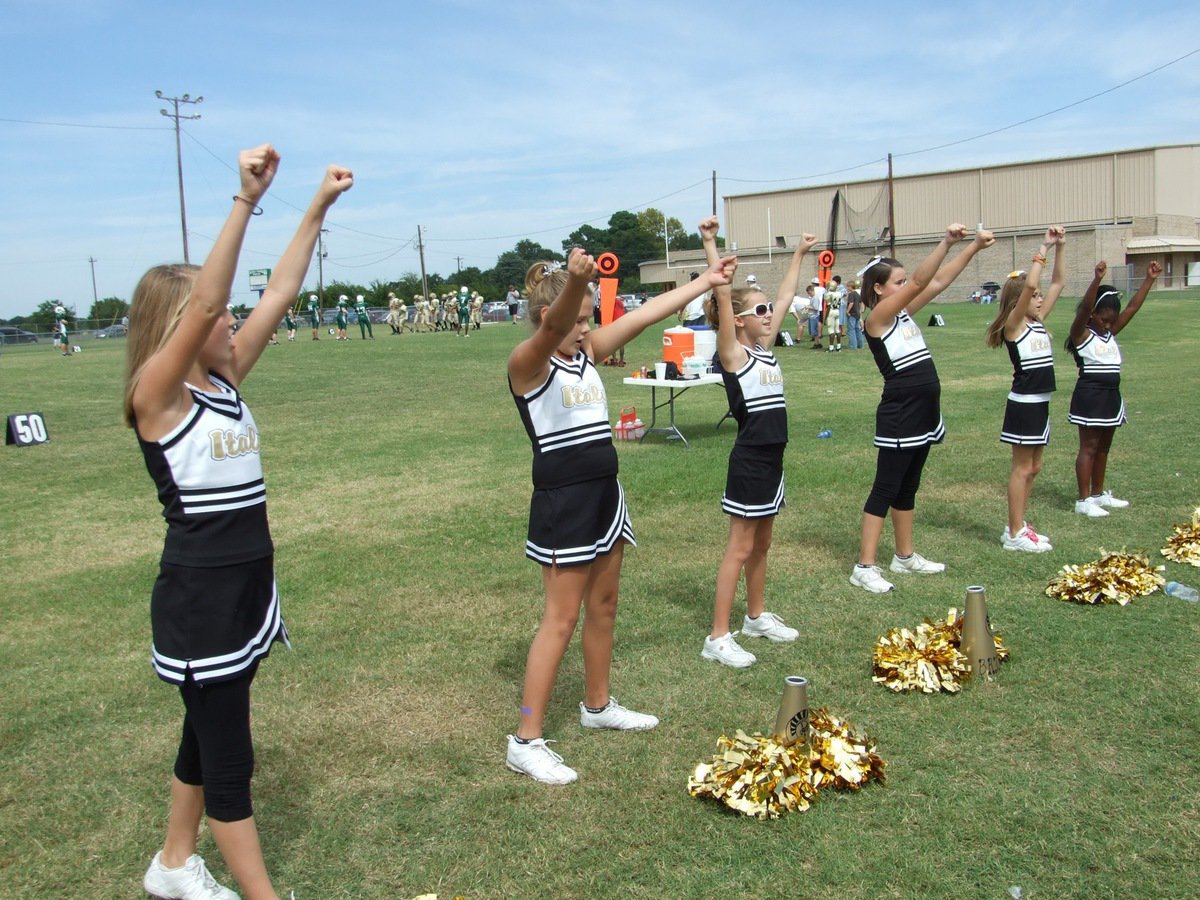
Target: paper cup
[(660, 371)]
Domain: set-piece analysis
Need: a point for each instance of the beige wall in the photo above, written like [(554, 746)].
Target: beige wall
[(1103, 199)]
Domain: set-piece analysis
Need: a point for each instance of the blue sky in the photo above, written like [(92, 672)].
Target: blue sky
[(485, 122)]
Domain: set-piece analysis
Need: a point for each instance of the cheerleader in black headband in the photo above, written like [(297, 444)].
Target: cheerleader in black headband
[(909, 418)]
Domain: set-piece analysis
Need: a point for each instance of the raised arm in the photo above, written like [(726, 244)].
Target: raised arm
[(1152, 272), (288, 275), (729, 351), (1058, 277), (1033, 279), (529, 362), (604, 341), (1084, 312), (787, 287), (945, 274), (159, 398)]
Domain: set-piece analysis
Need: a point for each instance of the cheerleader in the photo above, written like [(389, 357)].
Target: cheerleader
[(578, 521), (909, 418), (1096, 404), (1018, 326), (214, 609), (746, 326)]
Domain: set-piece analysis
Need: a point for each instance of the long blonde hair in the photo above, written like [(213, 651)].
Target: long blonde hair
[(1009, 295), (158, 304)]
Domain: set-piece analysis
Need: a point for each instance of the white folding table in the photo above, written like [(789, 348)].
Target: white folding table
[(673, 388)]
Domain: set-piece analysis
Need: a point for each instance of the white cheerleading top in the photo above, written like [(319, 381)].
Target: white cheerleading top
[(566, 418), (1099, 359), (1033, 363), (901, 354), (208, 471), (755, 394)]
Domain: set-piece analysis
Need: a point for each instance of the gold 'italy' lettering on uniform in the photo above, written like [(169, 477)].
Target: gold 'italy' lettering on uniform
[(227, 444), (577, 395), (769, 376)]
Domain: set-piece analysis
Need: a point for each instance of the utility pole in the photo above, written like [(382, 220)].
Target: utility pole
[(458, 260), (93, 261), (177, 115), (714, 192), (891, 211), (421, 251), (321, 266)]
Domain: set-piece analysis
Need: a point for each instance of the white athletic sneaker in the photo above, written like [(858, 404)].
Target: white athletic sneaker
[(1108, 501), (191, 881), (1027, 540), (616, 716), (770, 626), (916, 563), (1041, 537), (1091, 509), (725, 650), (538, 761), (870, 578)]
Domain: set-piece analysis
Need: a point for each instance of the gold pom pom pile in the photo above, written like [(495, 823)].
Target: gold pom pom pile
[(1183, 546), (1113, 578), (925, 658), (760, 777)]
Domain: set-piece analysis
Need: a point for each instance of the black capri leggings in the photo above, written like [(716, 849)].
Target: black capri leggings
[(897, 477), (215, 750)]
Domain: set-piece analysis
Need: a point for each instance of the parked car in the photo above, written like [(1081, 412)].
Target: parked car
[(117, 330), (10, 335)]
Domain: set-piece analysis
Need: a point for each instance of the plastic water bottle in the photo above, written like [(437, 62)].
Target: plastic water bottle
[(1182, 591), (826, 433)]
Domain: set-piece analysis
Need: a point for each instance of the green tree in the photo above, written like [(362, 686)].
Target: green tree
[(43, 317), (108, 311), (512, 264)]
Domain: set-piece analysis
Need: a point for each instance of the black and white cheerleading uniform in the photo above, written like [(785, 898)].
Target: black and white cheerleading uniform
[(754, 482), (214, 610), (578, 509), (1096, 401), (909, 414), (1027, 412)]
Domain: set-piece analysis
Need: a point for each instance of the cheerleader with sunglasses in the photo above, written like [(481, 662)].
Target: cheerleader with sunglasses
[(747, 324)]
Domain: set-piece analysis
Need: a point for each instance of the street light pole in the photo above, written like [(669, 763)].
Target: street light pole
[(176, 115)]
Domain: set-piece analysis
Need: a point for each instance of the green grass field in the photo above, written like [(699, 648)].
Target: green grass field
[(399, 486)]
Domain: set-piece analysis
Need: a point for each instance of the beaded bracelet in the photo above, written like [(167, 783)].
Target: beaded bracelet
[(255, 209), (1038, 258)]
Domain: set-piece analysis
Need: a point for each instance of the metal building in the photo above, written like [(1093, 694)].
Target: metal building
[(1126, 207)]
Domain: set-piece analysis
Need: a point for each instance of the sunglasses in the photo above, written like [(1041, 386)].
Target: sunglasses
[(762, 309)]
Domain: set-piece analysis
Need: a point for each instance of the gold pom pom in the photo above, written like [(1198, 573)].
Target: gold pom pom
[(925, 658), (1113, 578), (1183, 546), (758, 776)]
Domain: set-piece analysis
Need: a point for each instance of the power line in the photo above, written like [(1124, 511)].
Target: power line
[(976, 137), (81, 125)]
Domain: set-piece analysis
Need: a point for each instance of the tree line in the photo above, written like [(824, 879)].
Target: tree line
[(633, 237)]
